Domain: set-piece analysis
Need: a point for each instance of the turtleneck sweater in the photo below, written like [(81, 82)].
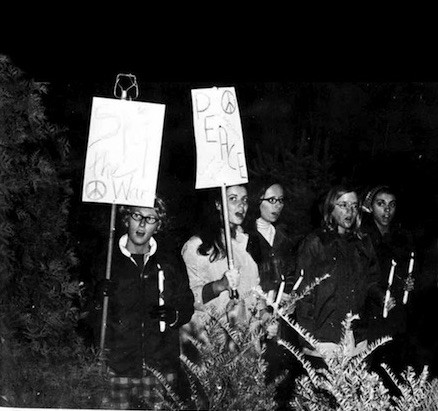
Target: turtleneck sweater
[(266, 229)]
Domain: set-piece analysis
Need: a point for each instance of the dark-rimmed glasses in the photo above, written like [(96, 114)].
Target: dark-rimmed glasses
[(150, 219), (274, 200)]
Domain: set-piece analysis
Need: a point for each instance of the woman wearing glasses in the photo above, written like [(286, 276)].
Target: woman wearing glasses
[(337, 248), (270, 244), (149, 299), (273, 249)]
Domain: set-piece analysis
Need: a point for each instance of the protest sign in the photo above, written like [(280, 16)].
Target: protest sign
[(123, 152), (219, 139)]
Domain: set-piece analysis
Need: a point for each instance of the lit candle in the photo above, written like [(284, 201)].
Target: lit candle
[(411, 264), (160, 297), (280, 293), (300, 278), (391, 272), (388, 291), (410, 270)]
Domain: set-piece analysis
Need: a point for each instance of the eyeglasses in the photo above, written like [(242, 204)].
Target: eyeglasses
[(273, 200), (150, 219), (344, 205)]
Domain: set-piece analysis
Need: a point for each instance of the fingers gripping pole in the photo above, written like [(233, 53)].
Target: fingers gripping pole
[(233, 293), (107, 276)]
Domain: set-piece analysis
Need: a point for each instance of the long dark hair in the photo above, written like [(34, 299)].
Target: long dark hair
[(210, 226), (257, 189)]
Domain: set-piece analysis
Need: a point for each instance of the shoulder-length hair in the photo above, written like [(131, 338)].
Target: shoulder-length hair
[(329, 204), (159, 206)]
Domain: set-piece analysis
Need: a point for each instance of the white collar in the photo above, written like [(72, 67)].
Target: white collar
[(123, 241), (266, 229)]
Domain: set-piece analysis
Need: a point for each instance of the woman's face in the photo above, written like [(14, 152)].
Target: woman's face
[(270, 211), (383, 209), (237, 200), (139, 230), (345, 211)]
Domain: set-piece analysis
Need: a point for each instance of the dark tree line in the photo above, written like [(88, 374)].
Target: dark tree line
[(309, 135)]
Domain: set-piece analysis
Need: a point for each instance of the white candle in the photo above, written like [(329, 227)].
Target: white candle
[(300, 278), (391, 272), (280, 293), (270, 297), (388, 292), (410, 270), (411, 264), (385, 304), (160, 297)]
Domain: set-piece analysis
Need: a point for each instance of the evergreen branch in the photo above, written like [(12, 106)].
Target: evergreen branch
[(194, 381), (299, 329), (314, 378), (170, 391), (370, 348), (309, 288)]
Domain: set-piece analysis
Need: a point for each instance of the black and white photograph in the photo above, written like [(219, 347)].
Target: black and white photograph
[(189, 233)]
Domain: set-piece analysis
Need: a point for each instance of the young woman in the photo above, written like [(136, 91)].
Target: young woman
[(205, 255), (339, 249), (134, 339), (273, 249), (270, 244), (391, 242)]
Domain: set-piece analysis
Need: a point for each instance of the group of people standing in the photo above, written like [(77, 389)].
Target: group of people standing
[(357, 245)]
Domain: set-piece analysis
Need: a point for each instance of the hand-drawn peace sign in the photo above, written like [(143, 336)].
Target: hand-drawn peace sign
[(228, 102), (95, 190)]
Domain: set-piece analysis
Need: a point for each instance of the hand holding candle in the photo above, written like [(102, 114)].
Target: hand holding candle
[(410, 270), (160, 297), (280, 291), (388, 290)]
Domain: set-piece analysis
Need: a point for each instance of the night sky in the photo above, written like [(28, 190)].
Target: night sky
[(267, 101)]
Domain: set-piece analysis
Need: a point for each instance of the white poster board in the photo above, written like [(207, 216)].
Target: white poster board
[(123, 152), (219, 139)]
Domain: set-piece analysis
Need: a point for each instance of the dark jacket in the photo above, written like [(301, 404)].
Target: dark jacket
[(396, 245), (273, 262), (354, 274), (132, 336)]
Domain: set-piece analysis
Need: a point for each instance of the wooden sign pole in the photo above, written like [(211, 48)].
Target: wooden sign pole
[(107, 276), (233, 293), (108, 265)]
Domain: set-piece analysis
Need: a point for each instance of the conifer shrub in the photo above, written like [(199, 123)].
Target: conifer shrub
[(234, 379), (227, 370), (43, 360), (346, 382)]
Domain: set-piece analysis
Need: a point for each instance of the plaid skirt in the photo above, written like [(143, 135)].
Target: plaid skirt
[(135, 393)]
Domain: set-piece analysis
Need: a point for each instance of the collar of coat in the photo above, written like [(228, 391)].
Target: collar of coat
[(123, 241)]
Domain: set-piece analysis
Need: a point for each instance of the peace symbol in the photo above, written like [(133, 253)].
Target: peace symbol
[(95, 190), (228, 102)]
